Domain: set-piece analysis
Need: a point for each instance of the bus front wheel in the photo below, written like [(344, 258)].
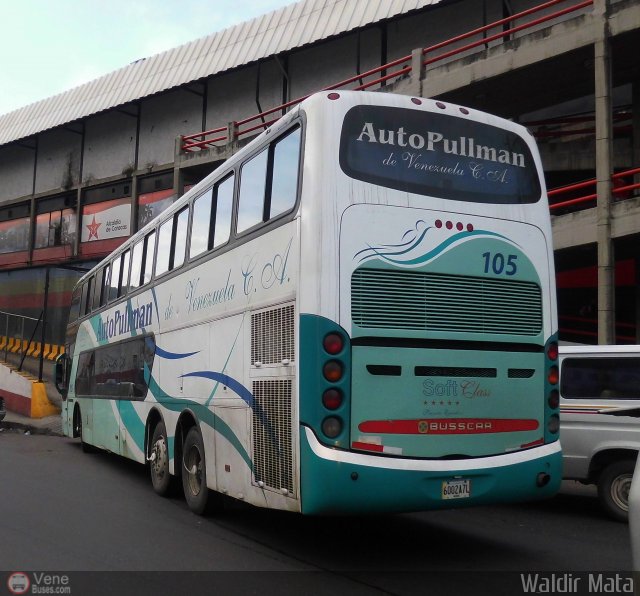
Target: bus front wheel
[(77, 430)]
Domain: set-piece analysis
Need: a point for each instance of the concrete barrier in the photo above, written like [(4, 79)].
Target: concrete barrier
[(24, 395)]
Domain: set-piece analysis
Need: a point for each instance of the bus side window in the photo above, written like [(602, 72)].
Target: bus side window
[(149, 249), (164, 247), (222, 212), (74, 311), (97, 288), (284, 188), (104, 287), (180, 242), (136, 265), (126, 257), (114, 281), (253, 182), (88, 297), (201, 224)]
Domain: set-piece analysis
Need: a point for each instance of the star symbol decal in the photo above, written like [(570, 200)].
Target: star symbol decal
[(93, 228)]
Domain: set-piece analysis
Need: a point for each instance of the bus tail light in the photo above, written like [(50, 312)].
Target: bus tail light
[(554, 399), (332, 399), (553, 376), (332, 426), (333, 343), (332, 371), (552, 351), (553, 426)]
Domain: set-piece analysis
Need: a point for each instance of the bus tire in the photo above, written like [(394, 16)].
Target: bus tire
[(194, 472), (159, 461), (613, 488), (77, 430)]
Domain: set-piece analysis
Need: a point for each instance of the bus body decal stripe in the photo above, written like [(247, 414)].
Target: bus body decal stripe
[(230, 382), (172, 355), (205, 414), (244, 394), (132, 422)]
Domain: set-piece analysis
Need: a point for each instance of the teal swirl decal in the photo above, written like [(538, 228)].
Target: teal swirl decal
[(411, 250)]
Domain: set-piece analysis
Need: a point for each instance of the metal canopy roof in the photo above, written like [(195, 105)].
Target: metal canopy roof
[(293, 26)]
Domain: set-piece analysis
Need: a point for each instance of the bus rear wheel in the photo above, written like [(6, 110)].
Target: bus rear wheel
[(613, 488), (159, 460), (194, 473)]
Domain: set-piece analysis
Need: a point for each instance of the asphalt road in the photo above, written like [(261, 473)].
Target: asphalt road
[(65, 511)]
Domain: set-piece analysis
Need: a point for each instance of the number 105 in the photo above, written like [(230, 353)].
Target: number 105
[(498, 263)]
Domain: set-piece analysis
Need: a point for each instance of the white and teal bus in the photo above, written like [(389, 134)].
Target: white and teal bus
[(354, 313)]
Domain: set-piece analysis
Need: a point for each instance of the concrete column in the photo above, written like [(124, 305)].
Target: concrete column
[(178, 175), (418, 73), (134, 204), (604, 169)]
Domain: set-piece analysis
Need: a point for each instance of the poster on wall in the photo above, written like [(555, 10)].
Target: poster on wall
[(152, 204), (109, 219)]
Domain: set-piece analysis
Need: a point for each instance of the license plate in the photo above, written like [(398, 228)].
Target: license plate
[(456, 489)]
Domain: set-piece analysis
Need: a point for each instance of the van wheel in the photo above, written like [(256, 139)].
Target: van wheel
[(159, 461), (613, 488)]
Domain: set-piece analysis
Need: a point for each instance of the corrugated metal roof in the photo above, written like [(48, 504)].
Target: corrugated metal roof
[(290, 27)]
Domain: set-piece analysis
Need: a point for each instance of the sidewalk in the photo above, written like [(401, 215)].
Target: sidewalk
[(51, 425)]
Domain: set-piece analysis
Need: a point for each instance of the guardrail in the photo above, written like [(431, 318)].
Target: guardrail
[(16, 341), (586, 328), (234, 130), (563, 126), (620, 189)]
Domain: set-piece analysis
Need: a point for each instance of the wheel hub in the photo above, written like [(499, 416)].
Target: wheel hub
[(159, 459)]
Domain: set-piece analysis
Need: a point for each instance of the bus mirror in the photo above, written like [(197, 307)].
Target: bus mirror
[(62, 371)]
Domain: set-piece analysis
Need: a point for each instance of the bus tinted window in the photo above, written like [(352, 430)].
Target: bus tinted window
[(437, 155), (611, 378), (164, 247), (253, 177), (136, 265), (118, 370), (201, 224), (224, 205), (114, 282), (180, 244), (149, 248), (284, 188)]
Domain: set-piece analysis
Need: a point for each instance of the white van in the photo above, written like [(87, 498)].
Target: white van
[(599, 419)]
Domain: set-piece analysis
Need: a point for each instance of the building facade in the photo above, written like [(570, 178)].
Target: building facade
[(82, 171)]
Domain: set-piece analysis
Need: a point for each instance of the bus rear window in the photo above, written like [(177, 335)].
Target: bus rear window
[(437, 155)]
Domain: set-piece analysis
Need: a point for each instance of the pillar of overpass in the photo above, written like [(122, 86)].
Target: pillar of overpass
[(604, 169)]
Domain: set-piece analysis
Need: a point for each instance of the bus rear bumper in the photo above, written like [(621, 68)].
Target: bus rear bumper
[(342, 482)]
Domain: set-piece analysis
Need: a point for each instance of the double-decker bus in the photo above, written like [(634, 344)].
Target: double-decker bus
[(354, 313)]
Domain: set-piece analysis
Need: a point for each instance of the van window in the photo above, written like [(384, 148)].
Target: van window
[(598, 378)]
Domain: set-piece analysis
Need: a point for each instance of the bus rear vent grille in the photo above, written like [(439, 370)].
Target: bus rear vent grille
[(416, 300), (272, 452), (272, 335)]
